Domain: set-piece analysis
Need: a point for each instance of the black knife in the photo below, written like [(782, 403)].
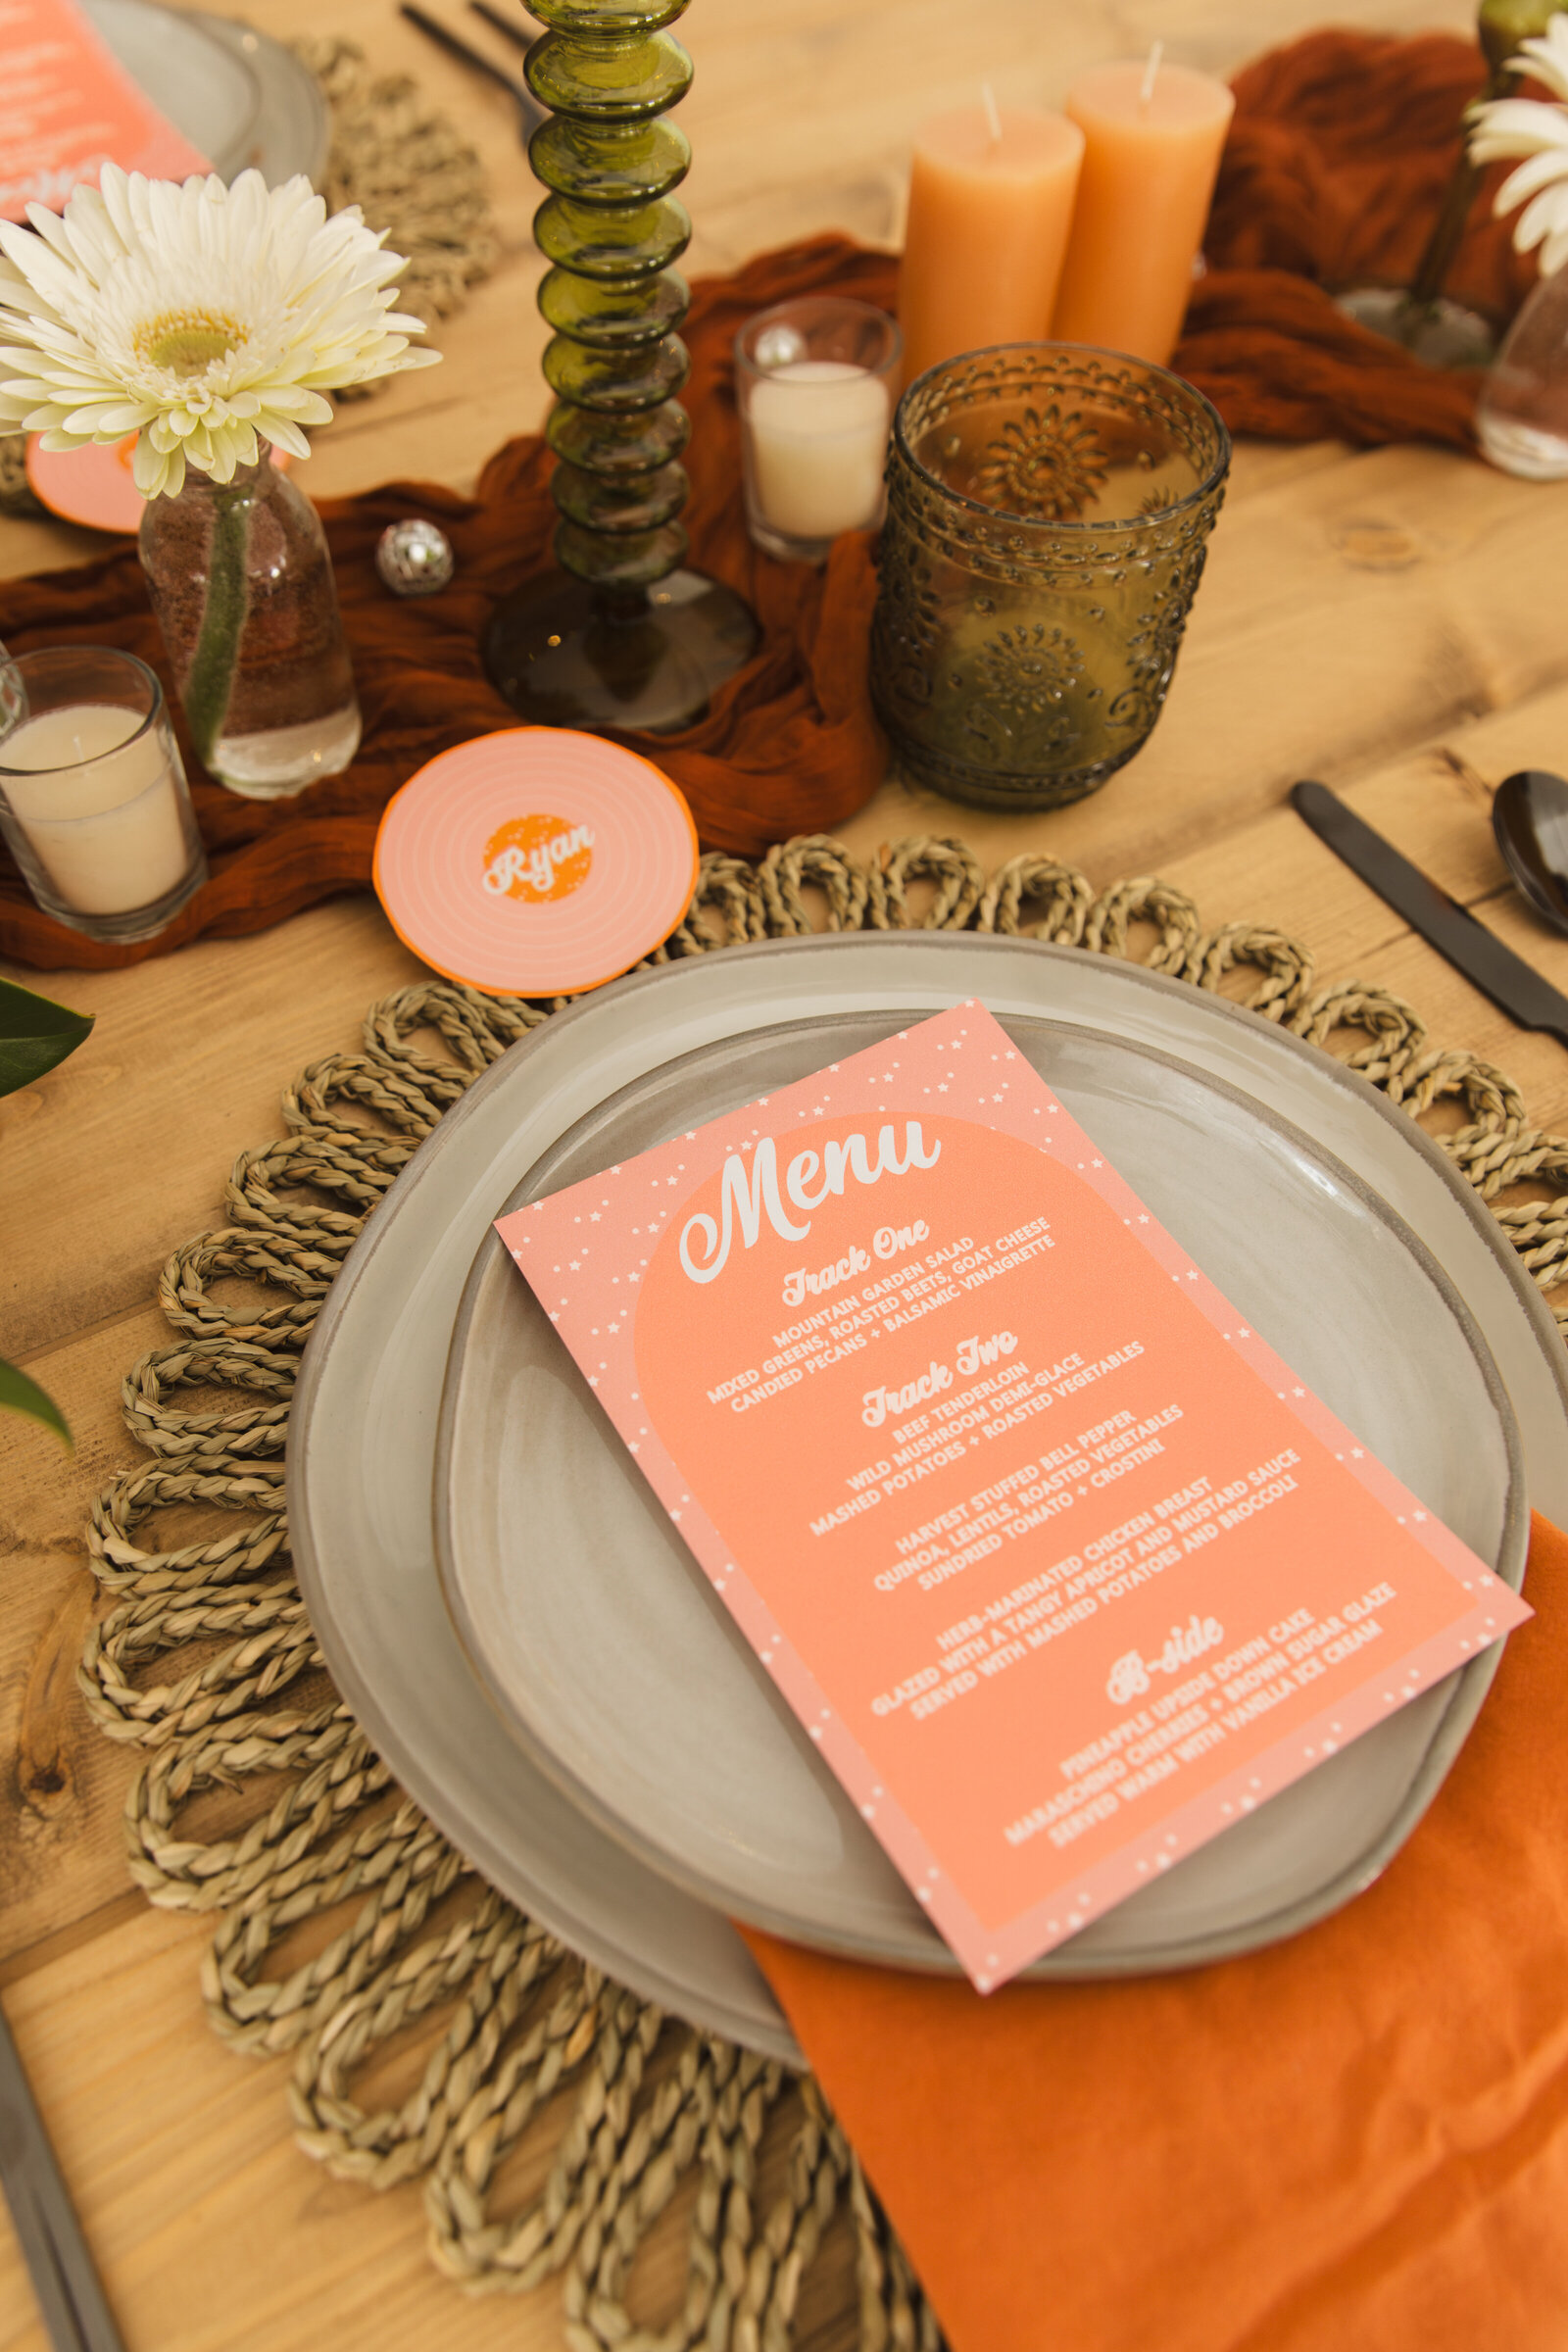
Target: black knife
[(76, 2313), (1441, 921)]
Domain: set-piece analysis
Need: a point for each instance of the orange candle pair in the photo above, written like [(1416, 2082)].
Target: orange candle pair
[(1152, 135), (990, 205)]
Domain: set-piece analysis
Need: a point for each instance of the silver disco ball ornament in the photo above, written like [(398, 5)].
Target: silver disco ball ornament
[(413, 557)]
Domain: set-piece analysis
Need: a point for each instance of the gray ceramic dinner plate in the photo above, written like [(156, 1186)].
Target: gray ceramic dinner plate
[(293, 128), (235, 93), (364, 1425), (626, 1680)]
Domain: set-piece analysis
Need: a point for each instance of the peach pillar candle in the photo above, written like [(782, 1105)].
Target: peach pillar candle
[(1152, 135), (990, 203)]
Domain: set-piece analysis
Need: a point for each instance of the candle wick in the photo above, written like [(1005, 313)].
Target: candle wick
[(1147, 90), (988, 97)]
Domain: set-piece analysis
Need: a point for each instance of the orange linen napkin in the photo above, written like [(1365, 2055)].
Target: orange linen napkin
[(1356, 2141)]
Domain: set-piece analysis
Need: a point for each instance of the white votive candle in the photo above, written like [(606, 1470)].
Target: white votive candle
[(819, 436), (99, 805)]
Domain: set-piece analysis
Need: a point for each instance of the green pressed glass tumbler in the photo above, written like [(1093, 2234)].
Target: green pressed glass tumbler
[(1049, 512), (626, 635)]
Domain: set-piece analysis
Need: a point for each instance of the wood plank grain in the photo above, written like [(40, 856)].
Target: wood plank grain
[(121, 1154), (1431, 800), (1344, 614), (62, 1845), (1390, 620), (1433, 803), (214, 2232)]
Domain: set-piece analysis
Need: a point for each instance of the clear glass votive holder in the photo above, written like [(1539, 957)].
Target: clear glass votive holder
[(94, 805), (1522, 414), (1049, 512), (815, 382)]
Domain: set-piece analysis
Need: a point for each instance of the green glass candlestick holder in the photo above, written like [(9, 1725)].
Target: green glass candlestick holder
[(629, 637)]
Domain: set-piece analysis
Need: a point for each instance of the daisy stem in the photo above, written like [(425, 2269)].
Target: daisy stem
[(209, 684)]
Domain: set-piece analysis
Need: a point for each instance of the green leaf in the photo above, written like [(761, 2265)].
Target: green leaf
[(19, 1395), (35, 1034)]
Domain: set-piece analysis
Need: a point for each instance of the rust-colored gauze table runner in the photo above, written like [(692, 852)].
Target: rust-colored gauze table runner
[(1341, 147), (1354, 2141)]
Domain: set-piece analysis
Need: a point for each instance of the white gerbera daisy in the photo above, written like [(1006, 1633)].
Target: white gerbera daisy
[(202, 317), (1538, 131)]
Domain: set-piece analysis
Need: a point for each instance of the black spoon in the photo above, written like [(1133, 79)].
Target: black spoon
[(1529, 818)]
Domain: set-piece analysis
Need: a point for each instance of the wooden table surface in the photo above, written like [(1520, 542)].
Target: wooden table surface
[(1390, 622)]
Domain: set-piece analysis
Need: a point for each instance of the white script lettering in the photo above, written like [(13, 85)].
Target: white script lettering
[(974, 1352), (706, 1242), (535, 867), (1130, 1675), (799, 1284), (897, 1240), (878, 1404)]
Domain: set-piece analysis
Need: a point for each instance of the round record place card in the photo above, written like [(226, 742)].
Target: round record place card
[(537, 863)]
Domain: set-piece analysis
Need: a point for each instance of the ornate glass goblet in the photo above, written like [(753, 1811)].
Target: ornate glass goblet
[(1049, 512)]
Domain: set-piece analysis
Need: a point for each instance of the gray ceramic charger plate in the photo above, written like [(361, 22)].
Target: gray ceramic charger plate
[(629, 1684), (363, 1428), (235, 93)]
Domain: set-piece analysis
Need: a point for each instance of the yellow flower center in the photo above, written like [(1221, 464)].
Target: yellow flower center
[(186, 343)]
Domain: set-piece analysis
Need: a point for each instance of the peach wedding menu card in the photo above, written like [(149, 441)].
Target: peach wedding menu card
[(68, 107), (1059, 1566)]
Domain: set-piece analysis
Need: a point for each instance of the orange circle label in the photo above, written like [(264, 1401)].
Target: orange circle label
[(537, 857)]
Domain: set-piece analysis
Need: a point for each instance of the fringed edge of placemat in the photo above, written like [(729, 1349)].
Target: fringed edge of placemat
[(513, 2020)]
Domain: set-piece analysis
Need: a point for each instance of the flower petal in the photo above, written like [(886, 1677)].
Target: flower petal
[(1535, 172), (1548, 213), (284, 435), (197, 314), (1545, 58)]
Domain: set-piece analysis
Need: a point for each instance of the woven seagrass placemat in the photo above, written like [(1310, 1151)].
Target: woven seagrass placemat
[(205, 1663)]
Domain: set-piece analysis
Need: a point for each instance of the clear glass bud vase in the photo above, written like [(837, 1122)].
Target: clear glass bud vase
[(241, 582), (1522, 415)]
